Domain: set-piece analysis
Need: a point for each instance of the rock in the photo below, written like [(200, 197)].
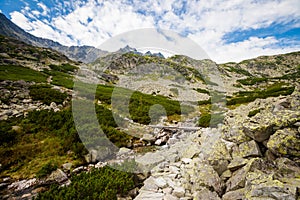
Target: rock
[(148, 137), (237, 163), (193, 150), (98, 155), (204, 175), (58, 176), (149, 160), (26, 196), (259, 185), (238, 178), (158, 142), (21, 185), (178, 191), (78, 169), (236, 194), (124, 150), (160, 182), (67, 166), (150, 184), (186, 160), (249, 149), (167, 190), (206, 194), (285, 142), (170, 197), (38, 190), (147, 195)]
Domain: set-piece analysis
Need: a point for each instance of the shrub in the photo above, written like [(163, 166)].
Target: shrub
[(47, 95), (46, 169), (101, 184)]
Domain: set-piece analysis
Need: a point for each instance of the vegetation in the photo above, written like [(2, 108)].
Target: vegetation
[(15, 73), (65, 67), (253, 112), (46, 169), (101, 184), (140, 104), (202, 91), (47, 95), (252, 80), (271, 91)]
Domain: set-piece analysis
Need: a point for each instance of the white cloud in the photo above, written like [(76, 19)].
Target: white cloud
[(206, 22)]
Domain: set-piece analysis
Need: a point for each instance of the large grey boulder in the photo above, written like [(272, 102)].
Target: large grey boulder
[(285, 142)]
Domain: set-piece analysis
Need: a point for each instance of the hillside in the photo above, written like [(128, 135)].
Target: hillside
[(172, 127), (80, 53)]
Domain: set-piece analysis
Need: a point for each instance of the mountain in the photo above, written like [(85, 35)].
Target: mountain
[(84, 54), (184, 128)]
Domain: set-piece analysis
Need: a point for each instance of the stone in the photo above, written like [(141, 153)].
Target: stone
[(21, 185), (78, 169), (124, 150), (236, 194), (206, 194), (167, 190), (170, 197), (249, 149), (161, 182), (259, 184), (238, 178), (158, 142), (237, 163), (186, 160), (150, 184), (149, 160), (204, 175), (285, 142), (193, 150), (147, 195), (149, 137), (178, 192), (58, 176), (67, 166)]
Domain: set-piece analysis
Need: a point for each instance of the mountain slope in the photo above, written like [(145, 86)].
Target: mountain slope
[(80, 53)]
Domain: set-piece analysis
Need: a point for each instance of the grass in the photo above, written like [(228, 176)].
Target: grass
[(252, 80), (15, 73), (61, 78)]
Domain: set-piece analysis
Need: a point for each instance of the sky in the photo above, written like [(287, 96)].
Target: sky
[(227, 30)]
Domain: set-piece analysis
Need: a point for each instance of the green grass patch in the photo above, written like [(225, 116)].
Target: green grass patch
[(65, 67), (253, 112), (200, 90), (15, 73)]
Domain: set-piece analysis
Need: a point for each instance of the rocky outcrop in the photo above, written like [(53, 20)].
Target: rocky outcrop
[(244, 159)]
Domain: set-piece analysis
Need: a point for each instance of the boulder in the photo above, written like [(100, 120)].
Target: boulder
[(204, 175), (285, 142), (249, 149), (206, 194), (236, 194), (58, 176), (149, 160), (237, 163), (260, 184), (191, 151)]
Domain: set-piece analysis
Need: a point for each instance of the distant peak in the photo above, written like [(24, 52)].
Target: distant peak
[(127, 49)]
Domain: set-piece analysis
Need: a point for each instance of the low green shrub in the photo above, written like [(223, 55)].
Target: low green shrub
[(47, 95), (99, 184)]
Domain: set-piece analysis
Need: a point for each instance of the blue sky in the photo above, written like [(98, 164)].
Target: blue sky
[(227, 30)]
